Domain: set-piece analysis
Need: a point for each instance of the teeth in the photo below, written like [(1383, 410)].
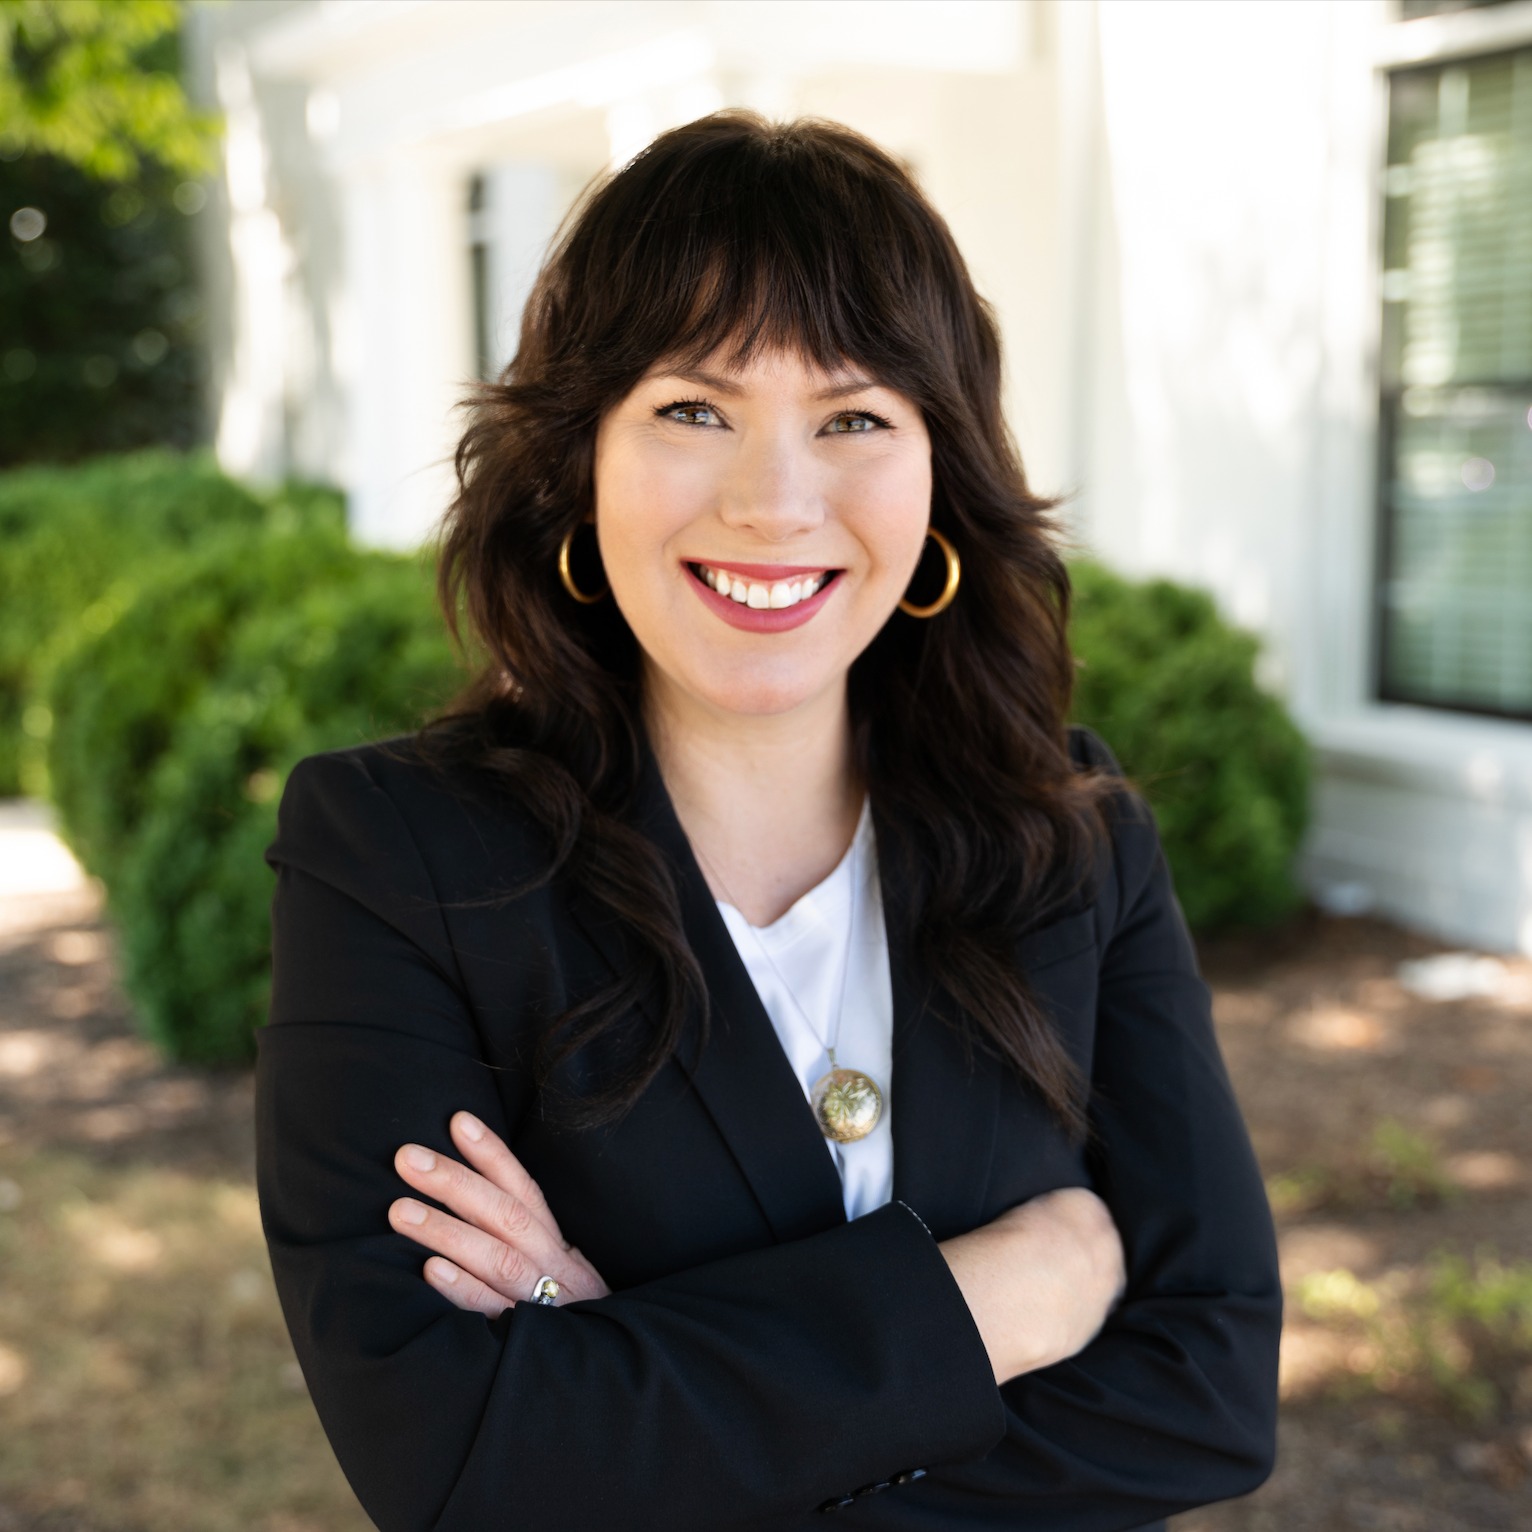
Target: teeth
[(754, 594)]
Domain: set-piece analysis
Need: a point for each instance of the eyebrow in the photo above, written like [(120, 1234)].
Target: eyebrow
[(721, 385)]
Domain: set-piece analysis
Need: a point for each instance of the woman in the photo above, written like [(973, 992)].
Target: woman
[(814, 1095)]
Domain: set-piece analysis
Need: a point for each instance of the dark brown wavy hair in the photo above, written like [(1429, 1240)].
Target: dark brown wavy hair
[(732, 234)]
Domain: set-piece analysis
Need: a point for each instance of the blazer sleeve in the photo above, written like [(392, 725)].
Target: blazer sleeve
[(744, 1392), (1174, 1403)]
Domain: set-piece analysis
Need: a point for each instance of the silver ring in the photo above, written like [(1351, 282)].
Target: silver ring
[(545, 1291)]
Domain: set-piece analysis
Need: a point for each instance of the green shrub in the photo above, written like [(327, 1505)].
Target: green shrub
[(69, 535), (1171, 688), (139, 658), (1456, 1334), (350, 661)]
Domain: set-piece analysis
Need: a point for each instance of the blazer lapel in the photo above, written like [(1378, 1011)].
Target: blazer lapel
[(944, 1101), (742, 1075), (944, 1105)]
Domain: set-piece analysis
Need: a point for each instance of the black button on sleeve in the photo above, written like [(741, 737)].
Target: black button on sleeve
[(908, 1476), (840, 1504)]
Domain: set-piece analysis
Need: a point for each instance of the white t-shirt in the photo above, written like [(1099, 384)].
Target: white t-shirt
[(809, 945)]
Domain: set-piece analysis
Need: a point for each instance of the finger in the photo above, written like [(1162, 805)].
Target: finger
[(502, 1268), (463, 1288), (481, 1203), (492, 1157)]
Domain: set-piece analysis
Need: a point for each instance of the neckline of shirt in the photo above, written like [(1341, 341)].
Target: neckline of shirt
[(827, 903)]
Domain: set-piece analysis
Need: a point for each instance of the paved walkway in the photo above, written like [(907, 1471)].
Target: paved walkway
[(41, 884), (75, 1072)]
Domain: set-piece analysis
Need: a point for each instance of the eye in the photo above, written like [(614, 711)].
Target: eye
[(857, 422), (690, 412)]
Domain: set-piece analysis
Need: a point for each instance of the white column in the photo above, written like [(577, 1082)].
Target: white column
[(406, 346), (250, 439)]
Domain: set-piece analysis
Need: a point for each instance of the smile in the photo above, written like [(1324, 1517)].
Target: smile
[(762, 598), (761, 594)]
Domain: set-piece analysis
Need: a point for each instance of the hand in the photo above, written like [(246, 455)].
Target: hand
[(506, 1236), (1040, 1279)]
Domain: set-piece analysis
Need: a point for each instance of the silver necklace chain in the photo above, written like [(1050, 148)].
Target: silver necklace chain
[(847, 1103), (845, 971)]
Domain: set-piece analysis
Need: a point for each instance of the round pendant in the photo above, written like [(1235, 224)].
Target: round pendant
[(847, 1104)]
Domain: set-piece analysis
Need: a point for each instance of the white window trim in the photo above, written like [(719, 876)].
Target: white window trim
[(1457, 34), (1465, 755)]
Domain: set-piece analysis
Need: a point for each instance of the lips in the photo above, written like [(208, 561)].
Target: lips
[(763, 598)]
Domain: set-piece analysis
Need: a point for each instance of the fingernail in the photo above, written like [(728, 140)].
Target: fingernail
[(471, 1127), (411, 1212), (442, 1270), (421, 1159)]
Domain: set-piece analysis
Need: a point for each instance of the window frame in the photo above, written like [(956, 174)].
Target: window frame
[(1408, 46)]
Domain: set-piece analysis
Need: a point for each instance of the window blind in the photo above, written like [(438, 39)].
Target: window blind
[(1455, 596)]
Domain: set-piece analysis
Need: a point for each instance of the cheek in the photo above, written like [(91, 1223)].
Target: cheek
[(892, 511), (644, 497), (638, 508)]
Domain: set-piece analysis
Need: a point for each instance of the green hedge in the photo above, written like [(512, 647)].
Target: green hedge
[(141, 656), (357, 660), (1171, 688), (70, 536)]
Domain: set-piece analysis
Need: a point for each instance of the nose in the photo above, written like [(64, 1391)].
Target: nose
[(771, 489)]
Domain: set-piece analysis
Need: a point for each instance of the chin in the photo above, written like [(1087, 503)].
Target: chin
[(760, 695)]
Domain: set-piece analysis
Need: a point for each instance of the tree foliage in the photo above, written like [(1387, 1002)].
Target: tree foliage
[(95, 83), (100, 159)]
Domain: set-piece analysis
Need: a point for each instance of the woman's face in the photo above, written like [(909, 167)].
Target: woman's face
[(759, 524)]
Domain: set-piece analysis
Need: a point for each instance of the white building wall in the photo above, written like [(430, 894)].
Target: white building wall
[(1172, 204), (1229, 406), (1207, 289)]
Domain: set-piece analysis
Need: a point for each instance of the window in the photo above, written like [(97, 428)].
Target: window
[(1455, 594), (1409, 10)]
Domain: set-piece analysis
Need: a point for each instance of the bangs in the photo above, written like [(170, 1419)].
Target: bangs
[(742, 243), (733, 314), (766, 286)]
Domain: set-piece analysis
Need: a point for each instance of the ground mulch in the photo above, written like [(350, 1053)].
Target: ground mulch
[(1322, 1041), (1325, 1045)]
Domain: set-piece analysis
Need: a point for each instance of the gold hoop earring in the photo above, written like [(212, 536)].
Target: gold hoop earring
[(568, 579), (954, 574)]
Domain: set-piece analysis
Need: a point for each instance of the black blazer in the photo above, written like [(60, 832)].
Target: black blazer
[(760, 1358)]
